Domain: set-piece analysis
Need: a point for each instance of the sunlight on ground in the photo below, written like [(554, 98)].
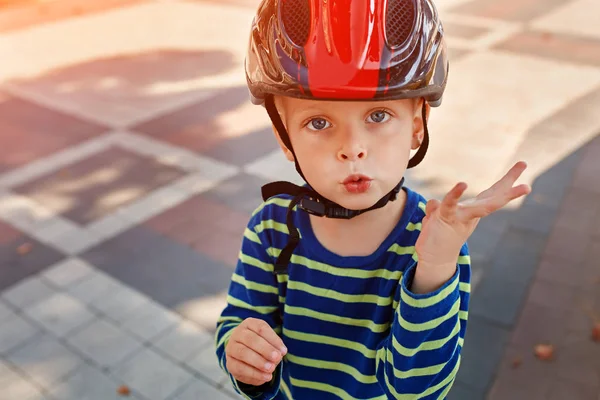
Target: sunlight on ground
[(119, 197), (21, 208), (245, 119), (205, 310), (98, 176)]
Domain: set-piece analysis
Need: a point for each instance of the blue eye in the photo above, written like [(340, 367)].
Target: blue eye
[(378, 117), (317, 124)]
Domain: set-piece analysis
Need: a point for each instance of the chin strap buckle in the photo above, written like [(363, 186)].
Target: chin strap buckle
[(333, 210), (319, 209), (312, 206), (341, 213)]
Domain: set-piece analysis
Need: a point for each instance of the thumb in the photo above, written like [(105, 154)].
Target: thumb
[(431, 206)]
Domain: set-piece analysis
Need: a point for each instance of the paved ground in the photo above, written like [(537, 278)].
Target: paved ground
[(130, 159)]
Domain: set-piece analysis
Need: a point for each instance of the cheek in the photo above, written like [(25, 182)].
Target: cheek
[(309, 147), (395, 141), (312, 157), (391, 154), (315, 163)]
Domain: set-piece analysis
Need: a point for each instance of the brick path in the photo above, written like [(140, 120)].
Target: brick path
[(130, 160)]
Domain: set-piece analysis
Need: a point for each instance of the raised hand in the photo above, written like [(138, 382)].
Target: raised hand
[(449, 223)]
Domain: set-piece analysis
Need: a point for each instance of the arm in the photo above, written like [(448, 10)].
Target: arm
[(253, 294), (421, 355)]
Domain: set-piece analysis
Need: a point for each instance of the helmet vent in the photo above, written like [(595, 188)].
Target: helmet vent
[(399, 21), (295, 15)]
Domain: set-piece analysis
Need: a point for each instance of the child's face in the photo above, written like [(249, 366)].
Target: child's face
[(335, 140)]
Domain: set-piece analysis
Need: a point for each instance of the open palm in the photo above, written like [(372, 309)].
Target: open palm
[(449, 223)]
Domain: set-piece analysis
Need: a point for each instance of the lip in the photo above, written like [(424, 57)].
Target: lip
[(356, 178), (357, 183)]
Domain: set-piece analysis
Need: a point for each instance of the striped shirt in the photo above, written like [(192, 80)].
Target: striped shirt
[(352, 327)]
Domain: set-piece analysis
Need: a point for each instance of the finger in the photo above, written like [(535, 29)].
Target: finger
[(517, 169), (268, 355), (477, 210), (484, 207), (506, 182), (509, 179), (254, 350), (246, 373), (262, 329), (499, 201), (431, 206), (518, 191), (450, 201)]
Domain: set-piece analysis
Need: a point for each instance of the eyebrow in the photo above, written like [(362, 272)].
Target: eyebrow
[(311, 110), (303, 113)]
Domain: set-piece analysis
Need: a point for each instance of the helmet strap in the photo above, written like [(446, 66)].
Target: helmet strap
[(283, 134), (310, 200), (420, 154)]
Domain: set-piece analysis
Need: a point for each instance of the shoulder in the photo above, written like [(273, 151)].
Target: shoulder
[(268, 220), (272, 209)]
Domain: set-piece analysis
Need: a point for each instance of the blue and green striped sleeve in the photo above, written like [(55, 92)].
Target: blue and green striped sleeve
[(420, 357), (253, 293)]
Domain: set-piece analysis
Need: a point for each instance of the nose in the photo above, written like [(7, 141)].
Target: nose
[(351, 151)]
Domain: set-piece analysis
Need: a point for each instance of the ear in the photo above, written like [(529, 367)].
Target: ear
[(288, 154), (419, 124)]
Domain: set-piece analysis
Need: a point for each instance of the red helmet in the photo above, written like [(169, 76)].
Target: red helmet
[(347, 50)]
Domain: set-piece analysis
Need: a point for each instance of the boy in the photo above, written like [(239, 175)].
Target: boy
[(352, 286)]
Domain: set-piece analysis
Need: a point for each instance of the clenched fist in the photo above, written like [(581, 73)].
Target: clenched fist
[(253, 352)]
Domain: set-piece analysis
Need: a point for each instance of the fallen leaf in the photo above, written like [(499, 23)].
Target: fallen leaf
[(596, 332), (544, 352), (123, 390), (24, 248), (516, 362)]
